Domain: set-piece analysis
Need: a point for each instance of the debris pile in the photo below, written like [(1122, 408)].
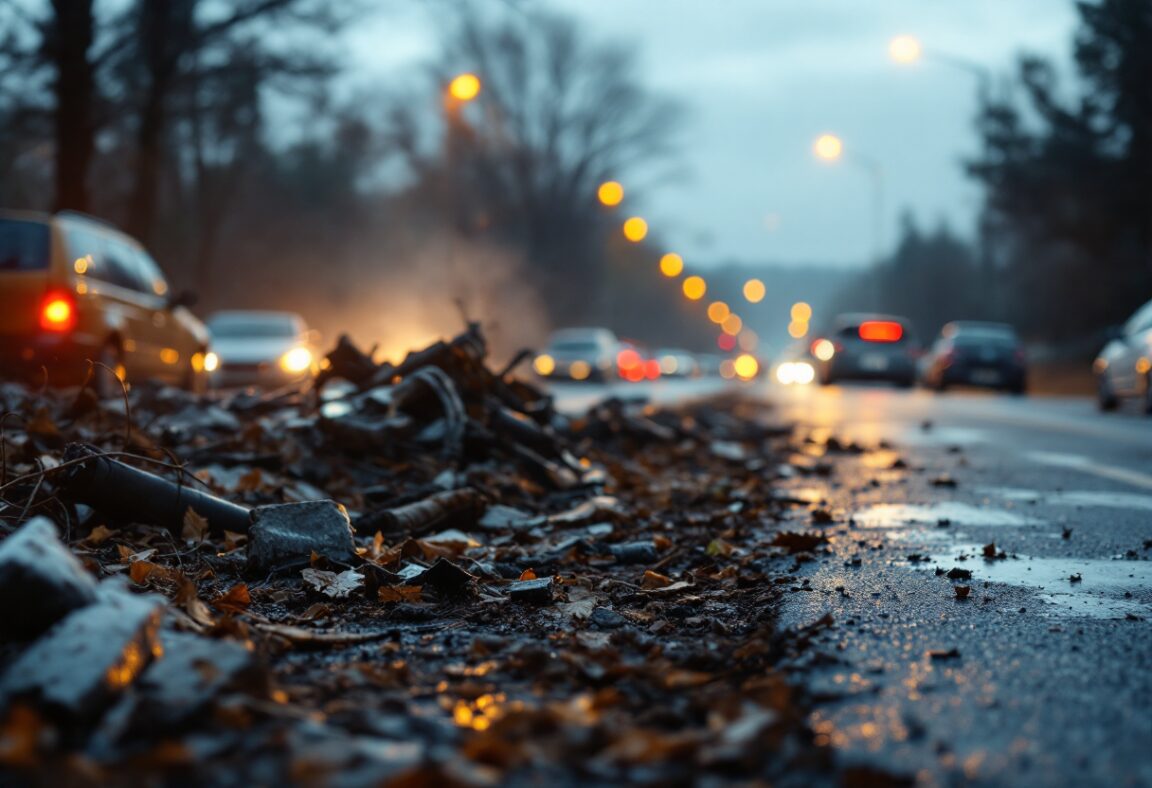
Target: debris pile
[(416, 571)]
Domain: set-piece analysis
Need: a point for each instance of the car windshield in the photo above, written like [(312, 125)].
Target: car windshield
[(254, 326), (23, 245)]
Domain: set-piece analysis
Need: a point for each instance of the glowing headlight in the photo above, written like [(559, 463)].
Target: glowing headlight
[(296, 360), (544, 365), (211, 362)]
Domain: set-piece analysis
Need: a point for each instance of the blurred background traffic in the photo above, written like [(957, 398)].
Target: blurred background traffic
[(945, 196)]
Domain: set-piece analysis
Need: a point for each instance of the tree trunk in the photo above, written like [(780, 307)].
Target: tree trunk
[(70, 42)]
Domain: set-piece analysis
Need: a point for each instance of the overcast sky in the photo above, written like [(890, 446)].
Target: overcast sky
[(760, 80)]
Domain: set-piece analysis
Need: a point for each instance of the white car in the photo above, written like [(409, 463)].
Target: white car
[(1124, 367), (254, 347), (579, 354)]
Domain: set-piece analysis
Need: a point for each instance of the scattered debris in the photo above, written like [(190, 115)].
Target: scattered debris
[(40, 581), (941, 654), (962, 591), (956, 573), (286, 535), (943, 480)]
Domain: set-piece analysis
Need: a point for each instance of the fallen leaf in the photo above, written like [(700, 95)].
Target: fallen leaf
[(234, 600), (528, 574), (99, 535), (195, 527), (655, 580), (337, 586), (399, 593), (189, 600)]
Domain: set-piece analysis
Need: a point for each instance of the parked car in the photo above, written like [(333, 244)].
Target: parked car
[(867, 347), (261, 348), (976, 353), (578, 354), (74, 289), (1124, 366)]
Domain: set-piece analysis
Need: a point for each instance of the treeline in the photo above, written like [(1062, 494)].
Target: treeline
[(213, 132), (1066, 250)]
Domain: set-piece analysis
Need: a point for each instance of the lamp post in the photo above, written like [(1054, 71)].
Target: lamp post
[(907, 50), (830, 148)]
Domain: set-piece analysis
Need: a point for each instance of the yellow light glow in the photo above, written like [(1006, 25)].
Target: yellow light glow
[(211, 362), (801, 312), (610, 193), (580, 370), (754, 291), (718, 311), (746, 366), (58, 311), (798, 329), (1143, 365), (81, 264), (669, 365), (905, 49), (81, 288), (732, 325), (824, 350), (694, 288), (169, 355), (671, 265), (544, 365), (298, 359), (828, 147), (635, 229), (748, 340), (465, 87), (727, 369)]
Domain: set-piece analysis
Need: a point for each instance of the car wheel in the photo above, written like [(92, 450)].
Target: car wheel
[(1105, 398), (106, 380)]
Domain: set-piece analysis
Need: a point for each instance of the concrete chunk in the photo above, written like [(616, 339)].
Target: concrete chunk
[(41, 582), (285, 535), (90, 657)]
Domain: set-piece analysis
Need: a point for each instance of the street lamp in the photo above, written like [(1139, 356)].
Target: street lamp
[(610, 193), (635, 229), (464, 87), (671, 265)]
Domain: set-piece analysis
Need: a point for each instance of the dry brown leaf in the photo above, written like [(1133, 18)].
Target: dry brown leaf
[(143, 571), (399, 593), (99, 535), (195, 526), (655, 580), (528, 574), (234, 600), (188, 599), (251, 481)]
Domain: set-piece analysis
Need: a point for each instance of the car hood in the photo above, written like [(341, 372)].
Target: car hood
[(251, 350)]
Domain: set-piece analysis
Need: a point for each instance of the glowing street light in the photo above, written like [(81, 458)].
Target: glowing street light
[(798, 329), (610, 193), (694, 288), (801, 312), (828, 147), (671, 265), (464, 87), (905, 49), (754, 291), (732, 325), (635, 229)]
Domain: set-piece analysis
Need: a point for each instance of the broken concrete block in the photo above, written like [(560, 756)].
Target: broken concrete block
[(538, 591), (85, 661), (40, 581), (285, 535)]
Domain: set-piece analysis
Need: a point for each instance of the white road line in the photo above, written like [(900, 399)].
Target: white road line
[(1081, 463)]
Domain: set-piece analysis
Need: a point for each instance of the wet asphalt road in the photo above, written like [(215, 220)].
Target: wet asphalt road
[(1048, 679)]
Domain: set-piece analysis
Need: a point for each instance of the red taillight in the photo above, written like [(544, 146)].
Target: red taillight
[(652, 369), (881, 331), (58, 312)]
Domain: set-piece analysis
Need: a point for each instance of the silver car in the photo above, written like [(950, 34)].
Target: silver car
[(262, 348), (1124, 367)]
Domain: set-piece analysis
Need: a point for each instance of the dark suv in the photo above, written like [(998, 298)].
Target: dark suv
[(867, 347)]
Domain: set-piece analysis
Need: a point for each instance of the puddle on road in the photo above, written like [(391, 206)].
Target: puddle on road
[(1098, 594), (890, 515), (1090, 498)]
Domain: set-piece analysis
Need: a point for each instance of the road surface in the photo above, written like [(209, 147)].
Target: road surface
[(1043, 675)]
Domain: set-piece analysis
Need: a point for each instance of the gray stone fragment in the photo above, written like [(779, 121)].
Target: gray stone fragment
[(538, 591), (40, 581), (285, 535), (83, 663)]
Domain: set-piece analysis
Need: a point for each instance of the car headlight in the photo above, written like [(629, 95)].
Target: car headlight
[(296, 360), (211, 362)]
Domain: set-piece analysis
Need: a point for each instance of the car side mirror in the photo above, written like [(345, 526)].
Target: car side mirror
[(184, 298)]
